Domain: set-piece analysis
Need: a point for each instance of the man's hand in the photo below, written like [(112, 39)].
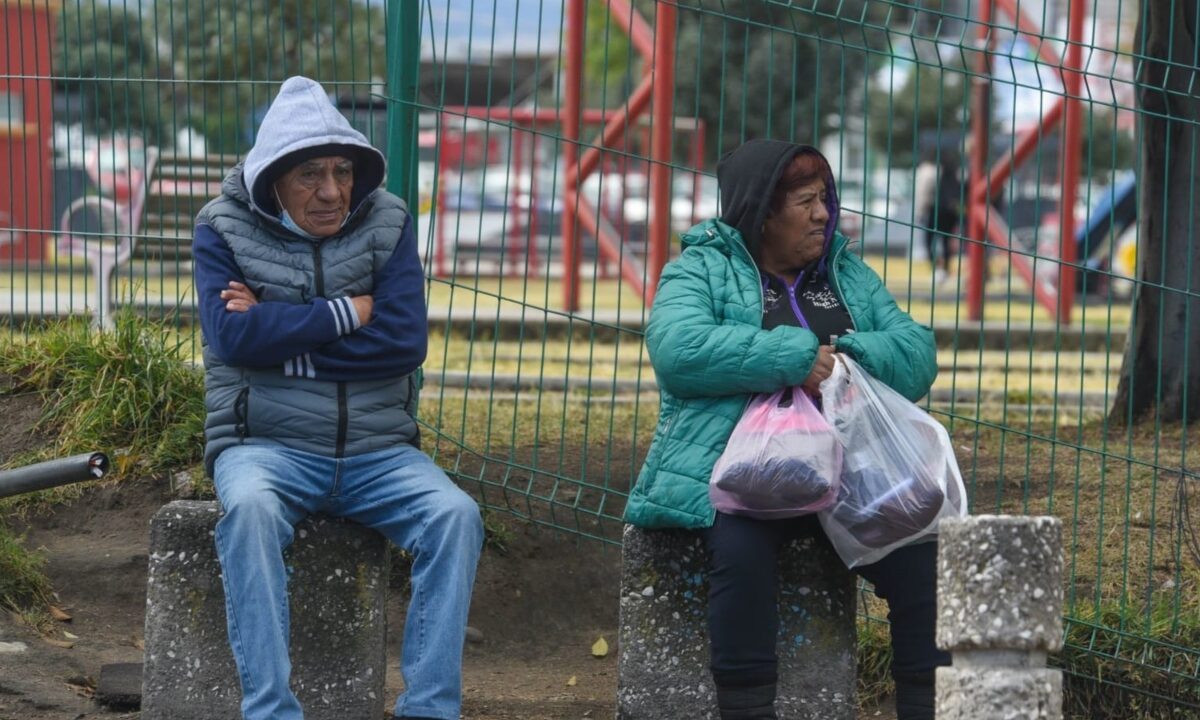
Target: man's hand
[(363, 305), (238, 297), (821, 369)]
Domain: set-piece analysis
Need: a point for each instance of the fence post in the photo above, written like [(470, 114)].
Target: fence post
[(999, 614), (403, 66)]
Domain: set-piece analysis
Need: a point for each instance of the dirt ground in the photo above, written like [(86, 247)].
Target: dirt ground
[(540, 606)]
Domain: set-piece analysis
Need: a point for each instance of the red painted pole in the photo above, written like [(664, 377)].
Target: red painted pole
[(571, 133), (532, 236), (697, 167), (516, 163), (660, 146), (977, 199), (439, 214), (1072, 139), (614, 130), (1025, 145)]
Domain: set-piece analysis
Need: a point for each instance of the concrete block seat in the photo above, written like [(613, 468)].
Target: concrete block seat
[(338, 583), (663, 638)]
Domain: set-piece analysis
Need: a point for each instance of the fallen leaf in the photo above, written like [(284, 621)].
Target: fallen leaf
[(59, 614), (68, 644), (600, 648), (137, 643), (82, 686), (572, 681), (70, 636)]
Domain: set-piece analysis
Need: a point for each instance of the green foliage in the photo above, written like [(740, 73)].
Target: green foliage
[(608, 58), (930, 104), (126, 392), (753, 69), (23, 586), (874, 658), (234, 54), (497, 535), (1106, 149), (107, 54)]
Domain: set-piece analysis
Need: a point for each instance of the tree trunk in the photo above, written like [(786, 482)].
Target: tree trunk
[(1161, 369)]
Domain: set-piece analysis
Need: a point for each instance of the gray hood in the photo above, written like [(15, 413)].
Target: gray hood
[(302, 123)]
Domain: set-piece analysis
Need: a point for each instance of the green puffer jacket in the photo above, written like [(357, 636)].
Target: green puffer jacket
[(711, 355)]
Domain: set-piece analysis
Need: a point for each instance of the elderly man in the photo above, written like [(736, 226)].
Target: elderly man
[(312, 308)]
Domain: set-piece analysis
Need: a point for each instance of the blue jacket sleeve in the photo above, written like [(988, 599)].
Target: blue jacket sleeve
[(268, 333), (395, 341)]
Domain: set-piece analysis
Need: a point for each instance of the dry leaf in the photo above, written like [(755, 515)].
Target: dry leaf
[(600, 648), (68, 644), (70, 636), (137, 643), (82, 686), (571, 682), (59, 614)]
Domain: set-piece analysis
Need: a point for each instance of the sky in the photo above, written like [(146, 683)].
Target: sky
[(451, 28)]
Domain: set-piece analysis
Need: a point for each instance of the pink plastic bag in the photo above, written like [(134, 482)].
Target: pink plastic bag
[(782, 460)]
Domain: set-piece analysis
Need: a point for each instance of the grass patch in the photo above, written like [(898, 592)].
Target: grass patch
[(23, 585), (1134, 663), (874, 653), (125, 392)]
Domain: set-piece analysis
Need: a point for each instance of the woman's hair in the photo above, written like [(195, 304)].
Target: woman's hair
[(802, 170)]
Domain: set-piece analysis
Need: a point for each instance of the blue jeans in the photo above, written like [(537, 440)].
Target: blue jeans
[(400, 492)]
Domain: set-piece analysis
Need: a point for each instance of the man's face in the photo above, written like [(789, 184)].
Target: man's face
[(316, 193)]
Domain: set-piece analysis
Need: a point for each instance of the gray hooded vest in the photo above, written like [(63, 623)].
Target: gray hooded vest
[(261, 405)]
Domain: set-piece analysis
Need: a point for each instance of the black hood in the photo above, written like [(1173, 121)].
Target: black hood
[(747, 176)]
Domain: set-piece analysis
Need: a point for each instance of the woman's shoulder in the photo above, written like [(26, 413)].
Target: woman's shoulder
[(852, 266)]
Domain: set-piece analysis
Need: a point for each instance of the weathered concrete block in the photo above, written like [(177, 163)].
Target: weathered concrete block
[(1000, 583), (337, 590), (663, 638), (998, 693)]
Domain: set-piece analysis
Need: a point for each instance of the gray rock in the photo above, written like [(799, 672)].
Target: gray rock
[(337, 589), (120, 686), (979, 693), (663, 637), (1000, 583)]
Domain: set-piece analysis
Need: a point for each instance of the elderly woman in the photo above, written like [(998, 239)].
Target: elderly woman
[(762, 299)]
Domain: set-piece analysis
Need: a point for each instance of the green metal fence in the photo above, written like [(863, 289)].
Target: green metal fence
[(552, 149)]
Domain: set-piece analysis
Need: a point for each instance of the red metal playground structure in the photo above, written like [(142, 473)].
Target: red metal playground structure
[(653, 97), (985, 226)]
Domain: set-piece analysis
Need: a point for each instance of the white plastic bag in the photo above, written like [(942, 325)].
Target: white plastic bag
[(899, 475), (782, 460)]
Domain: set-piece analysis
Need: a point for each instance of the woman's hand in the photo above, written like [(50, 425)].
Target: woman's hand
[(238, 297), (821, 369)]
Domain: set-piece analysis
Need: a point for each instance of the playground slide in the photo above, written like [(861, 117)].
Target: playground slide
[(1096, 238), (1115, 211)]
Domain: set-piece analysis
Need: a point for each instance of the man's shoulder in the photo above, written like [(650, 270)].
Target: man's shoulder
[(223, 206), (381, 199)]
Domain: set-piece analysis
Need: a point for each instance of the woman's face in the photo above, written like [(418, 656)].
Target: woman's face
[(794, 236)]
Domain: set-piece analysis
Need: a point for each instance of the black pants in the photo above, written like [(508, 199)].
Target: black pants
[(743, 618), (939, 224)]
